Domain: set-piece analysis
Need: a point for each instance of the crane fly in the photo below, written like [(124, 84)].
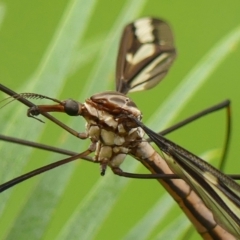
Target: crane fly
[(209, 198)]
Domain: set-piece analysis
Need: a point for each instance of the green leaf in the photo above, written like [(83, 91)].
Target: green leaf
[(74, 202)]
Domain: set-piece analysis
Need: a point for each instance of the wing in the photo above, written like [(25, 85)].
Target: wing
[(219, 192), (146, 53)]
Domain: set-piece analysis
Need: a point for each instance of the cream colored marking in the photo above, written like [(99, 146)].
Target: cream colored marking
[(105, 153), (144, 29), (143, 52), (118, 160), (129, 57), (145, 74), (133, 110), (116, 149), (134, 133), (120, 149), (101, 115), (137, 129), (210, 177), (107, 137), (110, 122), (94, 131), (119, 140), (121, 129)]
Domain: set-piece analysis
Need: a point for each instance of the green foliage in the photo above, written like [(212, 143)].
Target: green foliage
[(68, 49)]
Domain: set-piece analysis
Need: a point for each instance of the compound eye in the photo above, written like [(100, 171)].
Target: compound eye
[(71, 107)]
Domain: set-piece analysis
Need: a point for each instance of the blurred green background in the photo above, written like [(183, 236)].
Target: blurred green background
[(67, 49)]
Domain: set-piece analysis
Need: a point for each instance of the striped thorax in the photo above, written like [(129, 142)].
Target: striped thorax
[(109, 128)]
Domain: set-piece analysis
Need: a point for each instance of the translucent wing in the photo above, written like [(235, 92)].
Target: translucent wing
[(219, 192), (146, 53)]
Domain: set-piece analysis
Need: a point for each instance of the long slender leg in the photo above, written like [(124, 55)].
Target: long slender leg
[(223, 105), (43, 169), (121, 173)]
